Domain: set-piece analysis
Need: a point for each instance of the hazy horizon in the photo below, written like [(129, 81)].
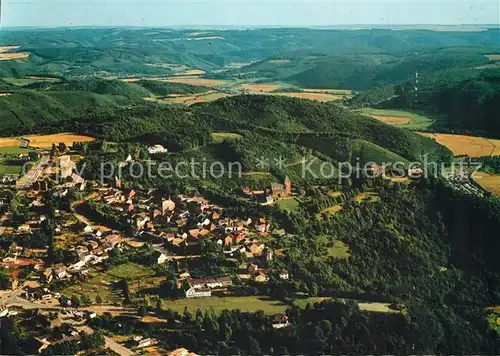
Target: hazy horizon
[(240, 13)]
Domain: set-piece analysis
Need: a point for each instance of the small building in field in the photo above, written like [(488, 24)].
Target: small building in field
[(24, 143)]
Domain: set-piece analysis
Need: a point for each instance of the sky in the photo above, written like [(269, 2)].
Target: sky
[(49, 13)]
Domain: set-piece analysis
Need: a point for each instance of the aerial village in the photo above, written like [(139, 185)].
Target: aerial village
[(72, 281)]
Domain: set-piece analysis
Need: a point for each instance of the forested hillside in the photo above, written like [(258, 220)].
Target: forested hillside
[(468, 98)]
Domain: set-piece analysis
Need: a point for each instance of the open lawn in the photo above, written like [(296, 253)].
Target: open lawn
[(13, 150), (249, 304), (490, 182), (399, 118), (219, 137), (288, 204), (9, 169), (462, 145)]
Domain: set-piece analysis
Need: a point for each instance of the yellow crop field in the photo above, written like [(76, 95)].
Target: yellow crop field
[(490, 182), (193, 81), (193, 72), (392, 120), (471, 146), (493, 57), (194, 99), (258, 88), (331, 91), (13, 56), (46, 141), (8, 48), (312, 96)]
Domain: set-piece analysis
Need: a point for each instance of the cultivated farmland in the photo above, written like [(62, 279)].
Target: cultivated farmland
[(258, 88), (312, 96), (462, 145), (46, 141), (490, 182), (194, 81)]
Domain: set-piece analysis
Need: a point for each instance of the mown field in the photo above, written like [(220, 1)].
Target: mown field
[(399, 118), (490, 182), (45, 141), (249, 304), (462, 145)]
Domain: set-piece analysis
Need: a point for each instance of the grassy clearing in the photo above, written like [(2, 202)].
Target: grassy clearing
[(8, 169), (374, 307), (332, 209), (288, 204), (249, 304), (339, 250), (219, 137), (368, 197), (334, 193), (13, 150), (399, 118)]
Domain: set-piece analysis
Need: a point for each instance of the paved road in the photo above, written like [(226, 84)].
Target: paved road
[(109, 343), (26, 181)]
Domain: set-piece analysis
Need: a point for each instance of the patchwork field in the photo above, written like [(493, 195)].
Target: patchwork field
[(398, 118), (331, 91), (312, 96), (13, 56), (259, 88), (471, 146), (249, 304), (490, 182), (194, 81), (8, 48), (193, 72), (46, 141), (194, 99)]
